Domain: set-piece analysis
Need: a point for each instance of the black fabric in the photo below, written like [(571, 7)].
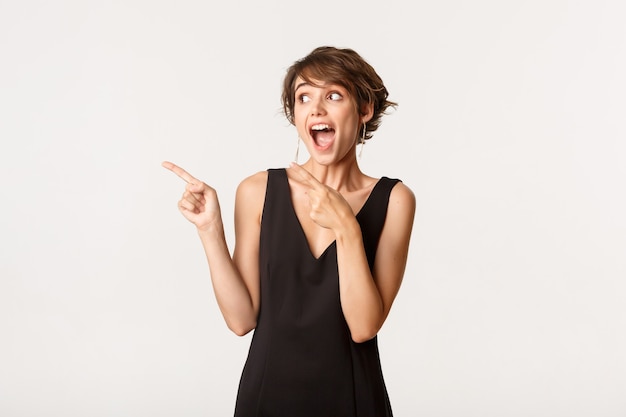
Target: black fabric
[(302, 361)]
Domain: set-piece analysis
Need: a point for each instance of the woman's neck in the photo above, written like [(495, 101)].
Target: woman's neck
[(343, 176)]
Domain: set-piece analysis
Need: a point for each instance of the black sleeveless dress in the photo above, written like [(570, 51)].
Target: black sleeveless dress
[(302, 361)]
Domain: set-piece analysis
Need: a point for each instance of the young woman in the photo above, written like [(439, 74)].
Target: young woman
[(320, 251)]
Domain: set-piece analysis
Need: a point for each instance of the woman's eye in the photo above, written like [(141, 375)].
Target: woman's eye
[(335, 96), (304, 98)]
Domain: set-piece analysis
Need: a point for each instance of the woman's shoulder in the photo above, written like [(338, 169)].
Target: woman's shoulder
[(251, 190), (253, 184), (402, 198)]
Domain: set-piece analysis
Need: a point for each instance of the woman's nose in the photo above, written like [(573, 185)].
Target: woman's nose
[(317, 107)]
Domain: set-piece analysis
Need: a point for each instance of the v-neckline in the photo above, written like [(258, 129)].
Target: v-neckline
[(303, 234)]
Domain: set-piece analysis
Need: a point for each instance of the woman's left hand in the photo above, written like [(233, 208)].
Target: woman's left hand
[(328, 207)]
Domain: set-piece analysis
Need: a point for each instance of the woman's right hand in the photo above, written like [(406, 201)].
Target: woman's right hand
[(199, 203)]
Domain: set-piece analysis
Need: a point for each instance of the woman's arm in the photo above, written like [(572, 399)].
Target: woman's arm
[(366, 297), (235, 279)]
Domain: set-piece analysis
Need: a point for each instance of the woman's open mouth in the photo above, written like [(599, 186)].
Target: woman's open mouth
[(323, 136)]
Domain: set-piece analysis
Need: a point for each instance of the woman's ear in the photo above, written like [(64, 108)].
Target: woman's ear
[(367, 112)]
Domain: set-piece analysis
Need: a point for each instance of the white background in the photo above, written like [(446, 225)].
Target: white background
[(510, 131)]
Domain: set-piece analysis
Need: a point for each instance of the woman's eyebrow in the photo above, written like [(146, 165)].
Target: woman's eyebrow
[(301, 85)]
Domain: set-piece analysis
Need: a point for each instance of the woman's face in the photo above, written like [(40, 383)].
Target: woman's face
[(327, 120)]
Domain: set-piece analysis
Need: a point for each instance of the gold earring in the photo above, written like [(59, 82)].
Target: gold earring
[(297, 150), (362, 140)]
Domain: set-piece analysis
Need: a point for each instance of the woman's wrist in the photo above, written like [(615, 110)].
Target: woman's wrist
[(349, 230), (213, 229)]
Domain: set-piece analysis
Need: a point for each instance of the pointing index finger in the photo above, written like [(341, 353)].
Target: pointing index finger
[(187, 177)]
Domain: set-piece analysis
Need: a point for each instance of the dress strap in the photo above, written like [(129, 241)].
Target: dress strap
[(373, 214)]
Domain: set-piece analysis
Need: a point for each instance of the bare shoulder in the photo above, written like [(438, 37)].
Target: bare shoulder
[(251, 191), (254, 183), (400, 214), (402, 200)]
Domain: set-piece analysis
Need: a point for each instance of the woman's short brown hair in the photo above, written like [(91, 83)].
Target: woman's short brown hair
[(343, 67)]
